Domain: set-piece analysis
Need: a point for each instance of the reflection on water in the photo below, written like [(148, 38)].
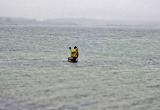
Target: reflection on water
[(118, 68)]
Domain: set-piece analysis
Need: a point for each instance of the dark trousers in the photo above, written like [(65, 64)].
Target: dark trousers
[(72, 59)]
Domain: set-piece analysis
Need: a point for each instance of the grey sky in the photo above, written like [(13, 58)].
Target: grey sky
[(147, 10)]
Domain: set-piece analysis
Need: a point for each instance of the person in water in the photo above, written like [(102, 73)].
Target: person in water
[(74, 54), (77, 53)]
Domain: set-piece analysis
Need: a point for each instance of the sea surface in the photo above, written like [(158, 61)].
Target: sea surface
[(118, 68)]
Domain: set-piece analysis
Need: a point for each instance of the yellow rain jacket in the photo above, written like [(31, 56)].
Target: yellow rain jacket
[(77, 54), (74, 52)]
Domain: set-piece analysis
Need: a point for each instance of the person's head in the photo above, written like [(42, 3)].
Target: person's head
[(75, 47), (70, 48)]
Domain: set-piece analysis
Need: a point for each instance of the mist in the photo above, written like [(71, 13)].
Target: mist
[(123, 10)]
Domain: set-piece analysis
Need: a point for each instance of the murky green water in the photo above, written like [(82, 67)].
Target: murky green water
[(118, 68)]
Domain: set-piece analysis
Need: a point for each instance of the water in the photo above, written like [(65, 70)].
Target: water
[(118, 68)]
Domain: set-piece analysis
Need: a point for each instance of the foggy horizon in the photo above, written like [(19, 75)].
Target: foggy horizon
[(122, 10)]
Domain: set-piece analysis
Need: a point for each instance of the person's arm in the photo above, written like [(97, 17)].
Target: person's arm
[(77, 52)]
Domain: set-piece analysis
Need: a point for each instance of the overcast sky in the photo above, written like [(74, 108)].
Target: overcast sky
[(140, 10)]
